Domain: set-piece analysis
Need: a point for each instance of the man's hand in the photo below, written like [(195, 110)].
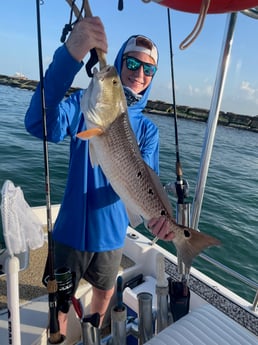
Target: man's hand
[(87, 34), (160, 228)]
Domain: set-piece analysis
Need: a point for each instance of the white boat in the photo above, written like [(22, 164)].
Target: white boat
[(216, 315)]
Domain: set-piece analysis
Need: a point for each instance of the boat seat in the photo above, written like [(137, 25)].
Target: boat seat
[(204, 326)]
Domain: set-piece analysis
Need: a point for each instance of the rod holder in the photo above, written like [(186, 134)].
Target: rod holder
[(118, 325), (145, 317), (162, 293), (182, 218), (90, 330), (162, 308)]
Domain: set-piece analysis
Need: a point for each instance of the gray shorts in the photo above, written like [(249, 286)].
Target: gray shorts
[(99, 269)]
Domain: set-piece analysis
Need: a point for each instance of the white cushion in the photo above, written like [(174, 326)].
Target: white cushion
[(204, 326)]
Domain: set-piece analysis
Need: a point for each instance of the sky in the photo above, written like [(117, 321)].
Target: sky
[(195, 68)]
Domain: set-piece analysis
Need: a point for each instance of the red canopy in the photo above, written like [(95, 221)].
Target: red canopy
[(216, 6)]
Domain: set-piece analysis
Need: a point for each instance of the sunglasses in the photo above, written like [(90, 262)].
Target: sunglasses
[(134, 64)]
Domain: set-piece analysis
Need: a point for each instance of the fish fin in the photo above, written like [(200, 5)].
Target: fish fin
[(89, 133), (192, 243), (134, 219), (161, 190)]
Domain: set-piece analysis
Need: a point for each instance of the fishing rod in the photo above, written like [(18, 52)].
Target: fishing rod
[(178, 290), (179, 172), (181, 185), (55, 337)]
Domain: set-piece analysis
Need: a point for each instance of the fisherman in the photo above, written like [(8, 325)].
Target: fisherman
[(90, 229)]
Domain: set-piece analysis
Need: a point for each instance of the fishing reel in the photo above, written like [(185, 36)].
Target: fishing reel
[(65, 287), (171, 187), (65, 284)]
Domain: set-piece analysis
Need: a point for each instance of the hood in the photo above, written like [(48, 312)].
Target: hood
[(141, 104)]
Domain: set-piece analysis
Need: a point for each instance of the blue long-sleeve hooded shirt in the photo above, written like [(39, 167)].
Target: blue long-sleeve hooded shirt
[(92, 217)]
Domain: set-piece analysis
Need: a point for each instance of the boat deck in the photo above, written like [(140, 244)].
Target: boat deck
[(205, 293), (30, 285)]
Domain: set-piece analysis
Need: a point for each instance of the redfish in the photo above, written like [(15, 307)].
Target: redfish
[(113, 146)]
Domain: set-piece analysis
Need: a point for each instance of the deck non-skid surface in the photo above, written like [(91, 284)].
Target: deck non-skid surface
[(30, 284)]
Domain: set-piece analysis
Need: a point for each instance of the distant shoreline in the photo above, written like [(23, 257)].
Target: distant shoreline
[(228, 119)]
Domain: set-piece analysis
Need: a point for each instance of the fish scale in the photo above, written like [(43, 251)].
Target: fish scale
[(126, 170), (114, 147)]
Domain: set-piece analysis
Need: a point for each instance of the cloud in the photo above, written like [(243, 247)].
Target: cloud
[(241, 99), (206, 90), (209, 90), (249, 91)]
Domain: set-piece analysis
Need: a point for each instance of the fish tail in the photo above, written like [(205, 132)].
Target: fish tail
[(193, 243)]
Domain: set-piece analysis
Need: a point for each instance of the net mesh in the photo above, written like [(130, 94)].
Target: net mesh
[(21, 227)]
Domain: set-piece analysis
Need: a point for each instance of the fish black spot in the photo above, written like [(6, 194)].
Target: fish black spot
[(187, 233), (150, 191), (163, 213), (139, 174)]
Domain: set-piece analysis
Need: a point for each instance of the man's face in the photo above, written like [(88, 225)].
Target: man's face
[(136, 80)]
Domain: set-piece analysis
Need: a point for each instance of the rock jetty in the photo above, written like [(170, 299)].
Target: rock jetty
[(198, 114), (159, 107), (24, 83)]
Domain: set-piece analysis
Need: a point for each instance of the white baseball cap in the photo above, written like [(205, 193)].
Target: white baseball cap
[(142, 44)]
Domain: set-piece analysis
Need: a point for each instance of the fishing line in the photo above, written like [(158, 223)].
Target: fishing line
[(68, 27), (179, 171), (55, 335)]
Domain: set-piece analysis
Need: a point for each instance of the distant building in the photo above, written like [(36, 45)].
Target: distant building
[(19, 75)]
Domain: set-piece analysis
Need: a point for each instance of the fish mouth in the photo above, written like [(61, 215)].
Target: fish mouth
[(107, 71)]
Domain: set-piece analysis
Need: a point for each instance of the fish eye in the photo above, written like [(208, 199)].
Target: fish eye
[(115, 81), (187, 233)]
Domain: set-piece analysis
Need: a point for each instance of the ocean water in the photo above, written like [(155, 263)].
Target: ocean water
[(230, 205)]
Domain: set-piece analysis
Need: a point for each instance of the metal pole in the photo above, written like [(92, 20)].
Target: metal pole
[(162, 293), (255, 302), (145, 317), (183, 218), (213, 118), (12, 266)]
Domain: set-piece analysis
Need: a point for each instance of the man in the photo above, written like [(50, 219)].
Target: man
[(90, 229)]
